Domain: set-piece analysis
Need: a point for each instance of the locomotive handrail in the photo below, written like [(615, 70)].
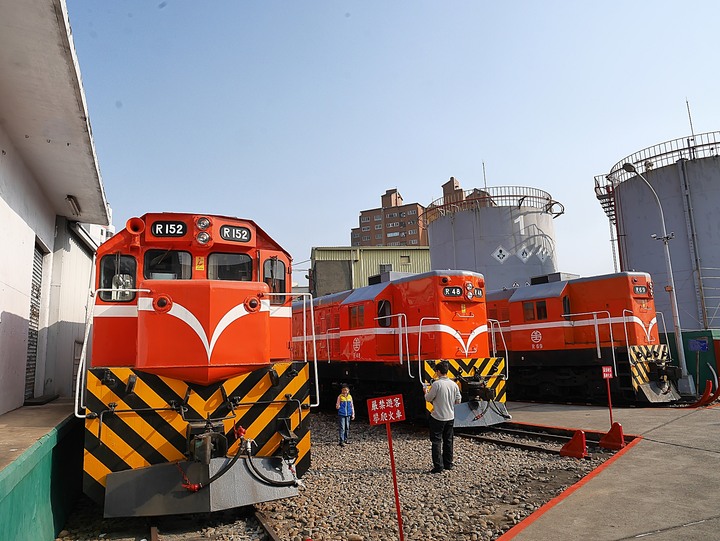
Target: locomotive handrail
[(403, 330), (627, 338), (327, 339), (407, 342), (667, 339), (597, 334), (493, 322), (419, 342), (80, 378), (305, 298)]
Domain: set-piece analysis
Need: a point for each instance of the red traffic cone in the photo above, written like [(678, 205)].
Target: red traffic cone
[(614, 439), (576, 446)]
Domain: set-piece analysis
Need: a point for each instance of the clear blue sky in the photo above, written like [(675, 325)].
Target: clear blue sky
[(299, 114)]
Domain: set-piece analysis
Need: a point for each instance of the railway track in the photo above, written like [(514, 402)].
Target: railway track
[(239, 524), (156, 528), (536, 439)]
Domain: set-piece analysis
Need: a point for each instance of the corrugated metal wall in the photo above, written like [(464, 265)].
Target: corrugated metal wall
[(367, 261)]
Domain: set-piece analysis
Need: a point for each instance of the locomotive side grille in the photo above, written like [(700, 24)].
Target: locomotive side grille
[(142, 424)]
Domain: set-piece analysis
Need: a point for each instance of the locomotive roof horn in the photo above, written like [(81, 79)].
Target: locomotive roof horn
[(135, 226)]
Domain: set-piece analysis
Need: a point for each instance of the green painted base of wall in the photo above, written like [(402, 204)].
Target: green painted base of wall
[(39, 489), (700, 364)]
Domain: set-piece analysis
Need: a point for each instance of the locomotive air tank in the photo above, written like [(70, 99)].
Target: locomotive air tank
[(504, 232)]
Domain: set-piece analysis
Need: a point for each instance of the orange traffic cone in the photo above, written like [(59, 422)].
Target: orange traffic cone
[(576, 446), (614, 439)]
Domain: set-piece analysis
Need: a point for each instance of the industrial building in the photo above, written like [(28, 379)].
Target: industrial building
[(393, 224), (663, 204), (341, 268)]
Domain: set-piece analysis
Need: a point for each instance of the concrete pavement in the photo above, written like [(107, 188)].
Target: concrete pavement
[(663, 487)]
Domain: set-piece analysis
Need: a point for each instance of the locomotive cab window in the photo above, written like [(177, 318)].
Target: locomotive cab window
[(541, 310), (383, 314), (167, 265), (357, 316), (529, 311), (230, 267), (118, 272), (566, 307), (274, 277), (535, 310)]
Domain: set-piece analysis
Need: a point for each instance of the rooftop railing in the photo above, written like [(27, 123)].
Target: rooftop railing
[(703, 145), (496, 196)]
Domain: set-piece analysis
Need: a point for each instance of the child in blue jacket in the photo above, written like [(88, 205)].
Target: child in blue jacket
[(346, 412)]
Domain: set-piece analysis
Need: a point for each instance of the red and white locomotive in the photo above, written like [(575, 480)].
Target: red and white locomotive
[(191, 400), (558, 334), (386, 338)]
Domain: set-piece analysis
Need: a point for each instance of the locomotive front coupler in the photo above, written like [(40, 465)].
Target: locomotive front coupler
[(288, 439), (205, 441), (475, 389)]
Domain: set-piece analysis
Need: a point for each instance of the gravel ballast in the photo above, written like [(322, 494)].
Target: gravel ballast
[(348, 493)]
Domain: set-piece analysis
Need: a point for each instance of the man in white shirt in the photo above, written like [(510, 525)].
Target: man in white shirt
[(443, 395)]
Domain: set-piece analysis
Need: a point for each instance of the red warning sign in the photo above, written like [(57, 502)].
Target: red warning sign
[(386, 409)]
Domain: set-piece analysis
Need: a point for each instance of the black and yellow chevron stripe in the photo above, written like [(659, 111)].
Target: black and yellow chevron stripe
[(133, 425), (640, 359), (490, 368)]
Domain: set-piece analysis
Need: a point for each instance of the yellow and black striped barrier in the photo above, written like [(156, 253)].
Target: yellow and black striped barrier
[(136, 419)]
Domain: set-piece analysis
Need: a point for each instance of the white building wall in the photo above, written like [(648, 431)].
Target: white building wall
[(70, 285), (26, 217)]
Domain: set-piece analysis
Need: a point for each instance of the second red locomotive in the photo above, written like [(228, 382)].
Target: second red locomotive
[(558, 333), (386, 338)]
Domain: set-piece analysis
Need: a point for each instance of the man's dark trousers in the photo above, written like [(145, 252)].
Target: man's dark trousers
[(441, 436)]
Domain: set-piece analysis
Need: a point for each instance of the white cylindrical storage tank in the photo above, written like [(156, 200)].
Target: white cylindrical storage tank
[(685, 175), (505, 232)]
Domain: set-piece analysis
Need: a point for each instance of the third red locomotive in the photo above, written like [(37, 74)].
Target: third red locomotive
[(558, 333)]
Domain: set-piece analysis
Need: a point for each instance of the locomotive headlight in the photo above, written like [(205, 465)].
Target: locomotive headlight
[(203, 237), (203, 223), (469, 286)]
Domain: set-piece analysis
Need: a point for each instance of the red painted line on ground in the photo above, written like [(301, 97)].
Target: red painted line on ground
[(565, 428), (512, 532)]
